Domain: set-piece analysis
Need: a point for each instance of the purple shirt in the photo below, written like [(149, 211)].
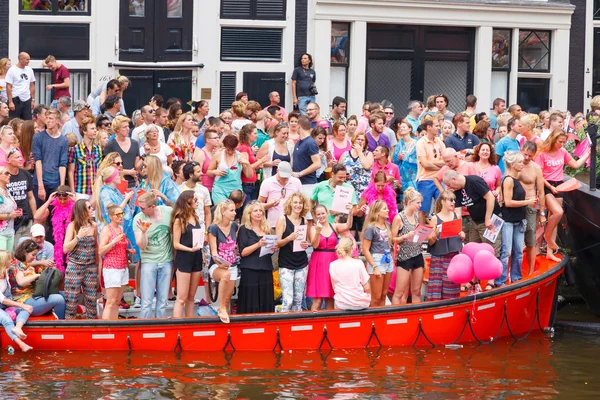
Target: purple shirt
[(372, 143)]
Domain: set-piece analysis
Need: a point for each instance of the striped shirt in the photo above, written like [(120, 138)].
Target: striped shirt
[(86, 164)]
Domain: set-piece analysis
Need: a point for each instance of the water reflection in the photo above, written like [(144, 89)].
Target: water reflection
[(538, 367)]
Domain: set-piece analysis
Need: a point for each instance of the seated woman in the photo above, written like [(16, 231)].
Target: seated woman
[(349, 278), (22, 277), (15, 332)]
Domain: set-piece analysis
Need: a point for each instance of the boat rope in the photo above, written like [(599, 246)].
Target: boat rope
[(493, 338), (535, 318), (178, 348), (278, 343), (325, 338), (373, 335), (464, 326), (421, 331), (229, 342), (129, 342)]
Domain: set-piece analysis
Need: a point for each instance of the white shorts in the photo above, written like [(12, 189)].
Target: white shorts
[(232, 270), (115, 278)]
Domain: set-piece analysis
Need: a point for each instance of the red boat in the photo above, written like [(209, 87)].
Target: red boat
[(514, 310)]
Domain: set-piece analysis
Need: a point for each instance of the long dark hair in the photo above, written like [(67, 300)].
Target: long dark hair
[(80, 215), (183, 209), (310, 63)]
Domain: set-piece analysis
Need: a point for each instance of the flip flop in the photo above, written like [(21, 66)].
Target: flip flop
[(489, 287), (224, 318)]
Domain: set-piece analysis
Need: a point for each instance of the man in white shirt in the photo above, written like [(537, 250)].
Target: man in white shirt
[(20, 88), (274, 191), (148, 115)]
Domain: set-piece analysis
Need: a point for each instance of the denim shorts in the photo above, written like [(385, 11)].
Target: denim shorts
[(430, 193), (384, 267)]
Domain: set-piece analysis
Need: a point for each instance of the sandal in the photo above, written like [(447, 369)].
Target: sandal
[(224, 318), (489, 287), (468, 286)]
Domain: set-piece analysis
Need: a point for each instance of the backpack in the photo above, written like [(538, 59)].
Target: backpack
[(48, 283)]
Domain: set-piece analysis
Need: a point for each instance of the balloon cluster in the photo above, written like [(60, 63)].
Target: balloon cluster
[(476, 259)]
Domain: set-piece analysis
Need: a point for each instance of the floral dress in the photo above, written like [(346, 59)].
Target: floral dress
[(358, 176), (181, 150), (408, 166)]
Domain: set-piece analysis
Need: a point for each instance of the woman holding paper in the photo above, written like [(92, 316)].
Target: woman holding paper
[(552, 157), (293, 260), (376, 241), (186, 227), (409, 261), (514, 215), (256, 282)]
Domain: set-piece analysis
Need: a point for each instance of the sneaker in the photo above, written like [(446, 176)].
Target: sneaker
[(124, 305), (137, 303)]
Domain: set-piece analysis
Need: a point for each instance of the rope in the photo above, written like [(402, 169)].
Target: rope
[(535, 317), (421, 331), (129, 342), (178, 348), (464, 327), (325, 338), (373, 334), (229, 342), (475, 336), (278, 343)]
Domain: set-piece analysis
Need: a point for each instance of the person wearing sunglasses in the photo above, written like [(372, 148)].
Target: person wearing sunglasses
[(148, 117), (9, 211), (8, 140)]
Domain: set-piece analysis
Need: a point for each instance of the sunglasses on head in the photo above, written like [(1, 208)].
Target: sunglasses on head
[(31, 247), (62, 194), (12, 151)]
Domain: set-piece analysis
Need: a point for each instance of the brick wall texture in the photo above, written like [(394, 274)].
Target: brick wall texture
[(301, 30)]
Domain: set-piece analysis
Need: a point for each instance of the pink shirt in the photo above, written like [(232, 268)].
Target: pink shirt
[(337, 152), (244, 148), (347, 277), (207, 181), (390, 169), (363, 124), (272, 190), (465, 168), (553, 165), (491, 176)]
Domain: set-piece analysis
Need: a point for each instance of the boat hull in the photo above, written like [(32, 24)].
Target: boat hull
[(581, 234), (516, 310)]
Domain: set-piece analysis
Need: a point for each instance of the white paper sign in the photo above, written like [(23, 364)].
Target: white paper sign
[(269, 247), (493, 235), (421, 233), (197, 237), (301, 229), (341, 198)]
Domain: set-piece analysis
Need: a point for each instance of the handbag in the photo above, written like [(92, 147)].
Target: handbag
[(48, 283), (313, 90)]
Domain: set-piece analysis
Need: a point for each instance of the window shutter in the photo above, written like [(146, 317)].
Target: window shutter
[(253, 9), (251, 44), (227, 91), (270, 9), (236, 9)]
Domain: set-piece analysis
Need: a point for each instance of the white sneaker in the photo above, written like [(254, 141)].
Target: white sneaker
[(137, 303)]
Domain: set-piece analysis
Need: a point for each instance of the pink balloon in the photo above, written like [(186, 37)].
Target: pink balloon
[(485, 247), (460, 269), (487, 266), (470, 249)]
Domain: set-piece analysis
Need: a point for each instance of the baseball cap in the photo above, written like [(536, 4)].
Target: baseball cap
[(79, 105), (284, 169), (323, 123), (37, 230)]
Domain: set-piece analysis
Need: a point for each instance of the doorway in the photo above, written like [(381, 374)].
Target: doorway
[(146, 83), (258, 85)]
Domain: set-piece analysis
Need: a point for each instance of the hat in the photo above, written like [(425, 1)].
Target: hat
[(79, 105), (284, 169), (37, 230), (323, 123)]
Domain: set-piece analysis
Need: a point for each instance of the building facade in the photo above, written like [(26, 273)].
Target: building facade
[(397, 50)]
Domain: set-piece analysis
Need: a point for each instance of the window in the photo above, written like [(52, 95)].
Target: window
[(69, 41), (253, 9), (55, 6), (227, 92), (80, 85), (340, 57), (534, 51), (596, 9), (251, 44), (501, 49)]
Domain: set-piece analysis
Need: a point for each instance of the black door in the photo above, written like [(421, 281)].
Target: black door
[(533, 95), (258, 85), (146, 83), (152, 30)]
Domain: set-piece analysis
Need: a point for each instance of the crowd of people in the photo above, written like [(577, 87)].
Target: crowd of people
[(185, 196)]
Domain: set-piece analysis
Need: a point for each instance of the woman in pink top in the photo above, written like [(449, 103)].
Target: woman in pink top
[(485, 162), (338, 144), (552, 157), (115, 274), (349, 278), (247, 136), (204, 156), (7, 142)]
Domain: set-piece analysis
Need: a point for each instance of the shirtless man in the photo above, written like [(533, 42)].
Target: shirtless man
[(533, 182)]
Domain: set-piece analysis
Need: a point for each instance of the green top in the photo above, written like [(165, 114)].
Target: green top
[(260, 138), (160, 241), (323, 193)]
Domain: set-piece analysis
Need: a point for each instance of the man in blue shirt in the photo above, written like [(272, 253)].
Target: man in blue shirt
[(414, 112), (508, 142), (462, 139), (306, 154), (499, 108)]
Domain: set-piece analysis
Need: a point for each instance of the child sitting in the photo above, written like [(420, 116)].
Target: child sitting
[(349, 278)]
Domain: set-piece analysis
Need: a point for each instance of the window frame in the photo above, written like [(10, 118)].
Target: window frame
[(55, 11), (510, 42), (548, 55)]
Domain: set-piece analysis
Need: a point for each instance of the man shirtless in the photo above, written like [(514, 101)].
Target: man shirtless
[(533, 182)]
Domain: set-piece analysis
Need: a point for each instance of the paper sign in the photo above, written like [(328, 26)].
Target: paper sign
[(122, 187), (582, 147), (301, 229), (341, 198), (569, 186), (493, 234), (451, 228), (421, 233), (269, 248), (140, 193), (197, 237)]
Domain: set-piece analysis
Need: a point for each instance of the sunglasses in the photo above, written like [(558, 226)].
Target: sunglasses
[(6, 173), (389, 113), (106, 124), (118, 164), (12, 151), (151, 111), (31, 247), (121, 214), (62, 194)]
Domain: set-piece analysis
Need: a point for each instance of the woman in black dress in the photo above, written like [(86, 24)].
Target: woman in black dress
[(188, 255), (256, 283)]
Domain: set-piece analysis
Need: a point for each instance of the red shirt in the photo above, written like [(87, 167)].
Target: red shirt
[(60, 75), (244, 148)]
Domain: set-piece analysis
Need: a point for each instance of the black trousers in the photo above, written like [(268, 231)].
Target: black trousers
[(22, 109)]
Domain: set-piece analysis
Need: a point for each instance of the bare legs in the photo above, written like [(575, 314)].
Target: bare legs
[(187, 283), (555, 213), (226, 286), (404, 279), (113, 298)]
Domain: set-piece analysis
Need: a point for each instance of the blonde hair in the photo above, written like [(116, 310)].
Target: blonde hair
[(373, 216), (238, 108), (116, 123), (102, 176), (179, 125), (503, 119), (3, 62), (345, 247), (264, 225), (512, 157), (411, 195), (123, 79), (218, 217), (5, 260), (154, 172), (287, 207), (548, 144), (445, 195), (452, 127)]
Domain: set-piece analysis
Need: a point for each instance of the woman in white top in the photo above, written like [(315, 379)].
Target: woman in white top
[(154, 147), (277, 149), (349, 278), (5, 64)]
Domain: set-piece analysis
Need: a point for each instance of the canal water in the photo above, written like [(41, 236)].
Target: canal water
[(539, 367)]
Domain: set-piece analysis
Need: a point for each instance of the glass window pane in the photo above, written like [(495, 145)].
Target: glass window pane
[(533, 95), (501, 49), (596, 9), (174, 8), (73, 5), (337, 82), (36, 5), (136, 8), (534, 50), (340, 43), (499, 86)]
